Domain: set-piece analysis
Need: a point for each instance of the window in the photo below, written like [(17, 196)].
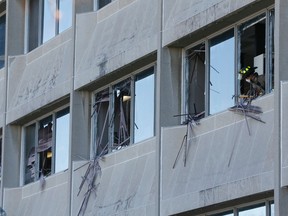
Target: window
[(46, 146), (221, 83), (2, 39), (102, 3), (124, 113), (46, 19), (224, 66), (265, 208)]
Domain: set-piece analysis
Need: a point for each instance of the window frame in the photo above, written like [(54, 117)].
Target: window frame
[(110, 87), (36, 122), (270, 14), (40, 26)]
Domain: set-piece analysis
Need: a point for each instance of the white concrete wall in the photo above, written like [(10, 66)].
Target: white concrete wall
[(284, 138), (126, 186), (223, 161), (117, 35), (2, 98), (40, 77), (186, 16), (31, 200)]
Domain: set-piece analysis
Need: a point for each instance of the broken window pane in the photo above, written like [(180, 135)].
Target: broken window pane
[(252, 36), (30, 154), (44, 148), (101, 117), (221, 82), (122, 100), (144, 106), (62, 140), (195, 79)]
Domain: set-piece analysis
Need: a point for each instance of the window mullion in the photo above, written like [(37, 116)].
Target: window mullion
[(53, 143), (207, 75), (37, 159), (57, 17), (132, 112), (111, 119)]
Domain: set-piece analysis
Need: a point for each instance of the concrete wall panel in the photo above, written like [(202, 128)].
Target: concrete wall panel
[(126, 186), (184, 17), (114, 38), (2, 98), (284, 133), (30, 200), (223, 162), (40, 77)]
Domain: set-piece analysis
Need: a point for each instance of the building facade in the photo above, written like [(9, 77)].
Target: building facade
[(144, 107)]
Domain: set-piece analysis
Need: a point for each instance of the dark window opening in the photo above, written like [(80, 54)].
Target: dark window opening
[(102, 3), (196, 79), (252, 57), (122, 99)]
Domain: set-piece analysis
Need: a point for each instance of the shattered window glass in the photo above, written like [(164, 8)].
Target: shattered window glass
[(44, 148), (30, 153), (121, 114), (252, 36), (144, 106), (195, 79), (101, 119)]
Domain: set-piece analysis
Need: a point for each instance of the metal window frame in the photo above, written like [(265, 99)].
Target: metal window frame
[(110, 86), (23, 144), (268, 55)]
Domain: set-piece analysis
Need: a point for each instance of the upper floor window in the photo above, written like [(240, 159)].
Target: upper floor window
[(46, 19), (2, 39), (46, 144), (101, 3), (228, 65), (124, 113)]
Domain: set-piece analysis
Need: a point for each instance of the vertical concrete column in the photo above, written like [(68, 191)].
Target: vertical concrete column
[(281, 65), (81, 119), (11, 156)]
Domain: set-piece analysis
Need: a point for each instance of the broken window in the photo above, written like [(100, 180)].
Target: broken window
[(257, 55), (115, 125), (211, 75), (46, 146), (221, 72), (252, 36), (30, 153), (46, 19), (101, 117), (195, 79), (121, 114)]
